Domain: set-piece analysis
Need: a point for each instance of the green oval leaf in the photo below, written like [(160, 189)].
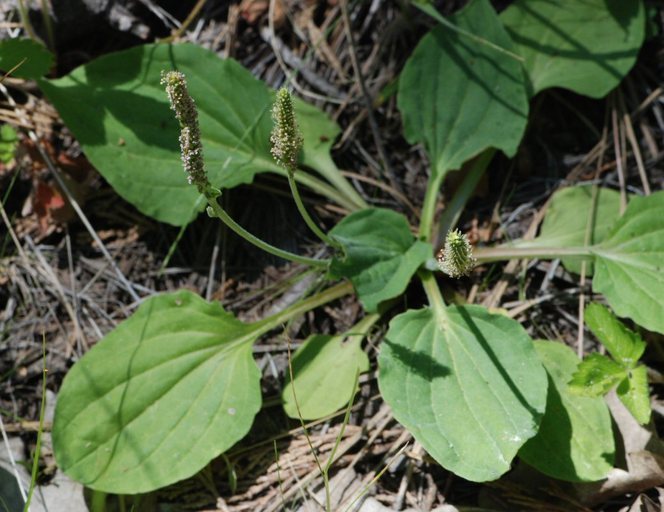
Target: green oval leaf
[(587, 46), (570, 214), (381, 254), (629, 264), (169, 389), (466, 383), (634, 393), (625, 345), (33, 59), (119, 113), (325, 370), (458, 96), (575, 439)]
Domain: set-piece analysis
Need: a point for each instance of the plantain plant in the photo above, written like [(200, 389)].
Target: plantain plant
[(175, 385)]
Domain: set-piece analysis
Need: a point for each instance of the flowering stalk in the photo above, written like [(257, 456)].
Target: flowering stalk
[(287, 142), (191, 149)]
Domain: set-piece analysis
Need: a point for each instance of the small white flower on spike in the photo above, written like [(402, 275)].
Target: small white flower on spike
[(456, 258)]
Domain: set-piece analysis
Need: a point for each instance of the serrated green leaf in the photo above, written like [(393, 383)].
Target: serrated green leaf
[(587, 46), (325, 370), (119, 113), (568, 217), (8, 143), (169, 389), (596, 375), (458, 96), (575, 439), (381, 254), (629, 265), (634, 393), (33, 59), (623, 344), (466, 383)]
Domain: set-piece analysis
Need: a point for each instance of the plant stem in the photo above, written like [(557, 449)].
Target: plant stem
[(472, 176), (217, 211), (329, 170), (307, 304), (430, 285), (305, 214), (429, 206), (487, 254)]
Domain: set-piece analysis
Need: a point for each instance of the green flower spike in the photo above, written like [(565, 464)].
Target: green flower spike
[(186, 113), (286, 138), (456, 258)]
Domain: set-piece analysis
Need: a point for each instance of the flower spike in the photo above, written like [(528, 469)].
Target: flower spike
[(456, 258), (286, 138), (186, 113)]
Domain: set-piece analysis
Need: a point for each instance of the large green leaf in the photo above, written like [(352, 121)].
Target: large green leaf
[(381, 254), (466, 383), (629, 265), (119, 112), (325, 370), (587, 46), (575, 439), (168, 390), (568, 216), (458, 96), (25, 58), (624, 345)]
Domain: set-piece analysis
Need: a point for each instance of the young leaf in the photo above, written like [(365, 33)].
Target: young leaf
[(586, 46), (381, 254), (8, 142), (169, 389), (25, 58), (623, 344), (575, 439), (596, 376), (119, 113), (325, 370), (458, 96), (629, 265), (466, 383), (634, 393), (567, 219)]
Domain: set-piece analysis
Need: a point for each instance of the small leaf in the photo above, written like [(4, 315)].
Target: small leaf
[(381, 254), (166, 391), (8, 143), (567, 219), (575, 439), (325, 369), (625, 345), (33, 59), (596, 376), (629, 265), (466, 383), (587, 46), (119, 113), (458, 96), (634, 393)]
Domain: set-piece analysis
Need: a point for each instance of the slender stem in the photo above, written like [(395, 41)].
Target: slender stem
[(429, 206), (307, 304), (329, 170), (335, 192), (434, 296), (486, 254), (473, 174), (305, 214), (220, 213)]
